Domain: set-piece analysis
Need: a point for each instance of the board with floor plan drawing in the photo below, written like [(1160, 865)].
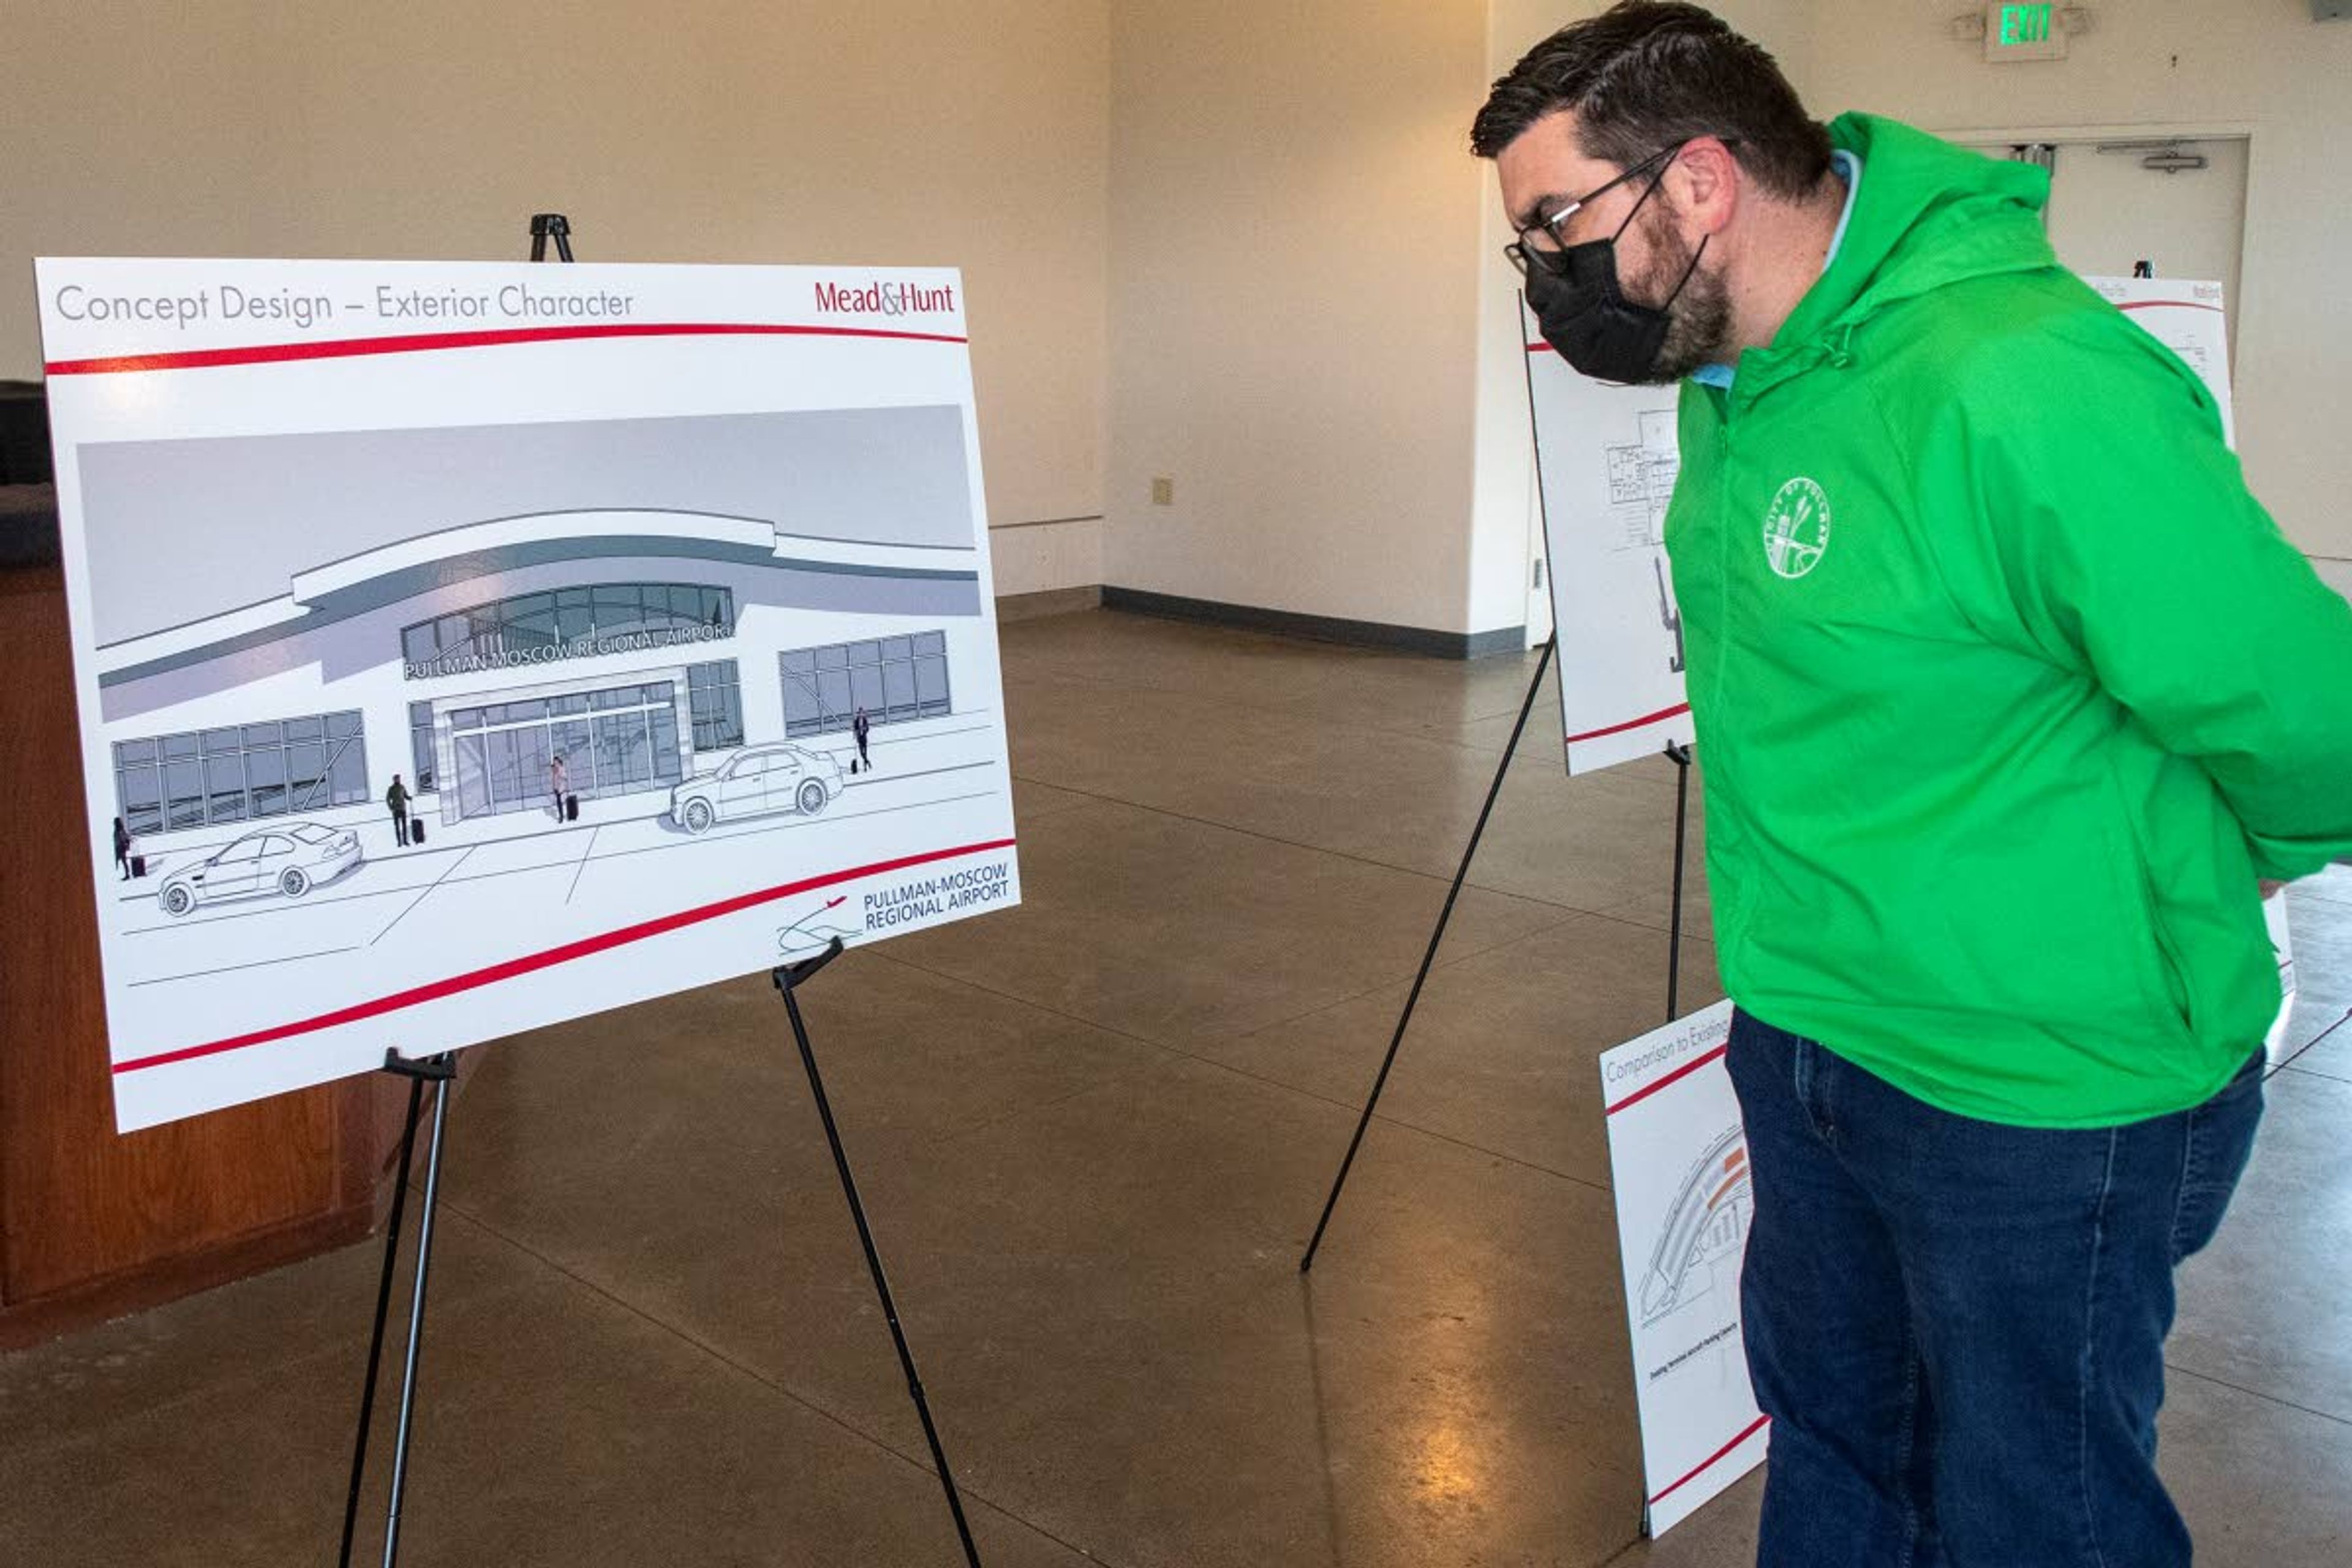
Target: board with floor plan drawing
[(465, 647), (1606, 461)]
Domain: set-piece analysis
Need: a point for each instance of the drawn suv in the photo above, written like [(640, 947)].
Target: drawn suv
[(755, 781), (287, 859)]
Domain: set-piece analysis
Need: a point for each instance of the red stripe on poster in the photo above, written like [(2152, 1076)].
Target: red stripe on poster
[(1664, 713), (1715, 1459), (585, 947), (347, 347), (1680, 1073), (2169, 305)]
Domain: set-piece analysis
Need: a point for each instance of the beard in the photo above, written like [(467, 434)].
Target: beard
[(1698, 322)]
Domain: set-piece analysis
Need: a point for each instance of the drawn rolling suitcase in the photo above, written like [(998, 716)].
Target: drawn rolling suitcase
[(571, 808), (416, 830), (139, 864)]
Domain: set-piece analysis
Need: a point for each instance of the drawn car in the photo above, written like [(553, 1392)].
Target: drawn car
[(754, 781), (288, 859)]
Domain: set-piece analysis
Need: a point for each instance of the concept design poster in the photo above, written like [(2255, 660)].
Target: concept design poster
[(1606, 461), (463, 648)]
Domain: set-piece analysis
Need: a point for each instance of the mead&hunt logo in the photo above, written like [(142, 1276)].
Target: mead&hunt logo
[(887, 299), (1797, 529)]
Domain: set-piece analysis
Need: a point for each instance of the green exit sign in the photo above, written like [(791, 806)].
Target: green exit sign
[(2024, 25), (2024, 32)]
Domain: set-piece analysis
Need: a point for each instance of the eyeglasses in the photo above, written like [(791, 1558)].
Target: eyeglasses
[(1539, 244)]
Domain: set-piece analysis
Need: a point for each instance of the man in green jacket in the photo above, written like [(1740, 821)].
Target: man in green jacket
[(2008, 696)]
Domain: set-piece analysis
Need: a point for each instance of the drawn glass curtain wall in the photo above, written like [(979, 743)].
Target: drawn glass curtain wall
[(894, 678), (715, 701), (240, 772), (530, 622)]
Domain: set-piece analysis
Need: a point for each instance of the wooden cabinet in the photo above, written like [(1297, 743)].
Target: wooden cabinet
[(93, 1225)]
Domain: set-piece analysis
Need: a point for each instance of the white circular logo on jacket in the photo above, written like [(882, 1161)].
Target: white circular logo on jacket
[(1797, 529)]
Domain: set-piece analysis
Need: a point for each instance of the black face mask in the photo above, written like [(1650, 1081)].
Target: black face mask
[(1584, 314)]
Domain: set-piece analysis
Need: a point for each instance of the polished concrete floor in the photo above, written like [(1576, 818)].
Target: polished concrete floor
[(1094, 1133)]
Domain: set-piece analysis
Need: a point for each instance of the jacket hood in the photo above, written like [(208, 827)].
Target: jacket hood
[(1928, 214)]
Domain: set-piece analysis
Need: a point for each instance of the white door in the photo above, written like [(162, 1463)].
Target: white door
[(2109, 211)]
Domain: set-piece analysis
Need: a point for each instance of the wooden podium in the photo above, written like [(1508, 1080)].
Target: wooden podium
[(93, 1226)]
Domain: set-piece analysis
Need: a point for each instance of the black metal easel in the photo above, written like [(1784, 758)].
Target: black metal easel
[(790, 978), (440, 1071), (1681, 757)]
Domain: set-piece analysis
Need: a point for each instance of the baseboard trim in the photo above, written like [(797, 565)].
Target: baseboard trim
[(1320, 628), (1047, 602), (90, 1302)]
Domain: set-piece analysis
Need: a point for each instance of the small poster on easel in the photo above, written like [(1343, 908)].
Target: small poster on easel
[(1606, 462), (1678, 1166)]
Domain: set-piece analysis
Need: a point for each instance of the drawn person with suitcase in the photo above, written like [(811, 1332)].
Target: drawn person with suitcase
[(860, 727), (123, 848), (557, 778), (397, 798)]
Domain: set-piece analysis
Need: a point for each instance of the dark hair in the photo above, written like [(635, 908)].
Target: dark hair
[(1648, 74)]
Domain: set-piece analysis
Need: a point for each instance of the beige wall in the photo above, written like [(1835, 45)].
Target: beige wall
[(1294, 303), (2261, 66), (914, 131), (1294, 307)]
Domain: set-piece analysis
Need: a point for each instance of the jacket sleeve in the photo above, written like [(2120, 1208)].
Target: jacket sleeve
[(2122, 526)]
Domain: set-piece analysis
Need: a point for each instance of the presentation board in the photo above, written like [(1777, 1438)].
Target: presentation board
[(2189, 319), (1606, 460), (464, 648), (1679, 1164)]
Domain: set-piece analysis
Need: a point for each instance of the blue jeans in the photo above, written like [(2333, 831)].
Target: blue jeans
[(1958, 1327)]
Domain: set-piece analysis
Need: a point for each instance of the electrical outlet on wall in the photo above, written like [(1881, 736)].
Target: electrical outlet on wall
[(1163, 491)]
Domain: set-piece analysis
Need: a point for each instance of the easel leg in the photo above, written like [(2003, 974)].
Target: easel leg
[(416, 1312), (789, 978), (1428, 958), (382, 1313), (1681, 755), (439, 1071)]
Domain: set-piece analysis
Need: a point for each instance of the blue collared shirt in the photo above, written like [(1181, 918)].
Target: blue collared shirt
[(1849, 168)]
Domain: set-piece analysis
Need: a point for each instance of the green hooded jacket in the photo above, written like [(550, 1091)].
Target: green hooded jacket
[(2006, 690)]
